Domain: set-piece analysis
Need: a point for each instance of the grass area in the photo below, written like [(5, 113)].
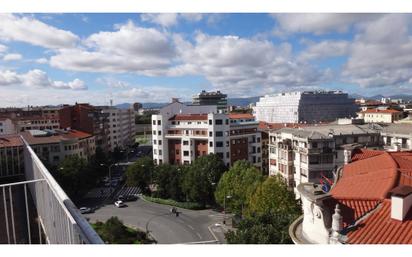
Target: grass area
[(113, 231), (184, 205)]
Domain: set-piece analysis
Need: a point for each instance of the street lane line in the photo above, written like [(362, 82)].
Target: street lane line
[(197, 233), (191, 227), (213, 234)]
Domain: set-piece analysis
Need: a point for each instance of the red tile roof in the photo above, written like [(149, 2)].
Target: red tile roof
[(189, 117), (388, 111), (10, 141), (363, 153), (236, 116), (380, 228)]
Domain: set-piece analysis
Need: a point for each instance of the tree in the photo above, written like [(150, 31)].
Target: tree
[(261, 229), (273, 196), (140, 173), (201, 177), (168, 179), (113, 231), (74, 176), (272, 208), (240, 182)]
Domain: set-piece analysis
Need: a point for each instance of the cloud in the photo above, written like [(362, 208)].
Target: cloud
[(3, 48), (37, 79), (325, 49), (320, 23), (151, 94), (129, 49), (41, 60), (231, 62), (12, 57), (113, 83), (35, 32), (381, 53), (170, 19)]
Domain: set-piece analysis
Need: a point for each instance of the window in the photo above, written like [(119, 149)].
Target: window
[(210, 122), (314, 145), (211, 144), (219, 134), (219, 144), (160, 142), (154, 151), (219, 122), (220, 155), (177, 151), (160, 152), (154, 141), (210, 134), (227, 121), (159, 122), (185, 153), (159, 132), (154, 122), (185, 142), (154, 132)]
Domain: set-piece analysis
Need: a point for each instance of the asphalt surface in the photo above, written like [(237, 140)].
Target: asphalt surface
[(189, 227)]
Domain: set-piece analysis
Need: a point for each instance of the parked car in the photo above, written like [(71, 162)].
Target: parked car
[(84, 210), (119, 204)]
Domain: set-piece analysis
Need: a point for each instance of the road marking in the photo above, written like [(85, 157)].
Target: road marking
[(213, 234), (197, 233), (203, 242), (191, 227)]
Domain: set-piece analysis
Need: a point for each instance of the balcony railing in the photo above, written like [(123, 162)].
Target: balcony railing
[(40, 207)]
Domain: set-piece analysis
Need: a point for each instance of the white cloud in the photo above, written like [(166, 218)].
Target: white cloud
[(42, 60), (129, 49), (38, 79), (3, 48), (170, 19), (151, 94), (113, 83), (319, 23), (381, 54), (324, 49), (35, 32), (12, 57)]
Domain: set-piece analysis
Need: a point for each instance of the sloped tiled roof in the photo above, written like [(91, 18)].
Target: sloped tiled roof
[(10, 141), (380, 228), (241, 116), (363, 153), (387, 111)]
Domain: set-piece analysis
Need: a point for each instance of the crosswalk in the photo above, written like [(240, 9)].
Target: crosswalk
[(128, 191)]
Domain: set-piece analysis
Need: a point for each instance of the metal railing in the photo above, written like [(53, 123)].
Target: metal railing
[(58, 219)]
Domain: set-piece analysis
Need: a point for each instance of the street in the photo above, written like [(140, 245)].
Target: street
[(189, 227)]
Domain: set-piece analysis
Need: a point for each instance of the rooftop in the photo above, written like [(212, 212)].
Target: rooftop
[(34, 137), (189, 117), (387, 111), (235, 116)]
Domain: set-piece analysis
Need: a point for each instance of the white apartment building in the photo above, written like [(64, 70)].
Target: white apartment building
[(6, 126), (182, 133), (397, 137), (122, 128), (304, 107), (307, 154)]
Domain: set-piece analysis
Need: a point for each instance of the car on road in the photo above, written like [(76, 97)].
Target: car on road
[(84, 210), (119, 204)]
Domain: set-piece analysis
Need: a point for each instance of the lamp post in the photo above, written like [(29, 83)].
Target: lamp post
[(224, 207)]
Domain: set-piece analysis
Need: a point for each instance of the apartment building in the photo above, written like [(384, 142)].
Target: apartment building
[(370, 203), (54, 146), (7, 126), (397, 137), (309, 153), (305, 107), (380, 115), (87, 118), (182, 133), (211, 98), (122, 127)]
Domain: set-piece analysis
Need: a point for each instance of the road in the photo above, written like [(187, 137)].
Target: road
[(189, 227)]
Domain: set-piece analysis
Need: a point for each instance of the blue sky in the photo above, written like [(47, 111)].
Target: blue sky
[(67, 58)]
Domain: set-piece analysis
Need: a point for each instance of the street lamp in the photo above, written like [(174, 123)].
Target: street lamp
[(110, 172), (224, 207)]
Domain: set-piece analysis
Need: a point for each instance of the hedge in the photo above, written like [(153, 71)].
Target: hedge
[(184, 205)]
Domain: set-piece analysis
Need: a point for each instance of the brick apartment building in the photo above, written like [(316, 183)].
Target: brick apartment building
[(182, 133)]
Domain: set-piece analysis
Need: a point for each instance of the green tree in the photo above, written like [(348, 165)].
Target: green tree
[(261, 229), (168, 179), (273, 196), (240, 182), (201, 177), (140, 173), (113, 231), (74, 176)]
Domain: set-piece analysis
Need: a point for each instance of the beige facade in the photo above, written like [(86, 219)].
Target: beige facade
[(380, 116)]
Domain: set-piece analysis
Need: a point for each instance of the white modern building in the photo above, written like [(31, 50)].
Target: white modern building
[(182, 133), (305, 107)]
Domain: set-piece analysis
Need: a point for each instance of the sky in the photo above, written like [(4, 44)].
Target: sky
[(50, 59)]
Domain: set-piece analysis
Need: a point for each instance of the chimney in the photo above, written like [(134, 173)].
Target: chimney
[(401, 202)]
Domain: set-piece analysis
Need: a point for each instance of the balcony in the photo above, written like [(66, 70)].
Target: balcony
[(33, 207)]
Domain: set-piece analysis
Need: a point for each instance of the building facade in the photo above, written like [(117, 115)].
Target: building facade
[(211, 98), (305, 107), (380, 116), (311, 153), (183, 133)]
